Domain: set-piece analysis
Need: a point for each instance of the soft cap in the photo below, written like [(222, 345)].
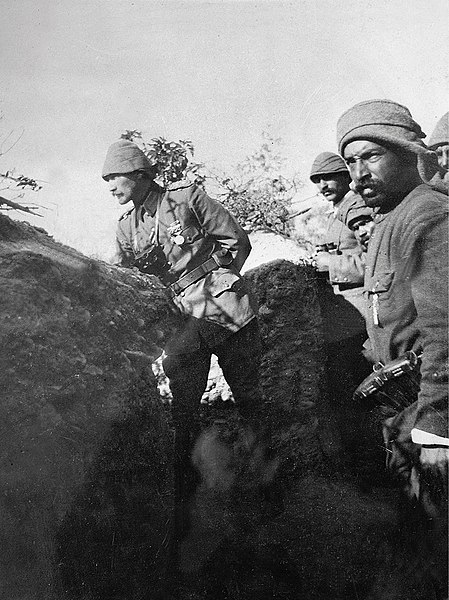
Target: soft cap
[(352, 208), (328, 162), (440, 135), (124, 157), (390, 123)]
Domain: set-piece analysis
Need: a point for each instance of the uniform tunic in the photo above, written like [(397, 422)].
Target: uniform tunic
[(344, 312), (346, 268), (406, 280), (190, 227)]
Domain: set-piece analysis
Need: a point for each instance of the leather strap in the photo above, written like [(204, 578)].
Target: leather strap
[(193, 276)]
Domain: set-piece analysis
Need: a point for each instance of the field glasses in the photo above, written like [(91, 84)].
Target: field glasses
[(152, 262), (331, 248)]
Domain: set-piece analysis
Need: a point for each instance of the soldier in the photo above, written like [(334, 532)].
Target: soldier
[(406, 282), (343, 264), (196, 248), (359, 219), (439, 143), (342, 308)]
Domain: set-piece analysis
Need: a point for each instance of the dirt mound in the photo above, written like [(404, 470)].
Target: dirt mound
[(86, 478), (85, 472), (287, 524)]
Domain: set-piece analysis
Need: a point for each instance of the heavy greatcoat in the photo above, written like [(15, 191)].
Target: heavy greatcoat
[(406, 280)]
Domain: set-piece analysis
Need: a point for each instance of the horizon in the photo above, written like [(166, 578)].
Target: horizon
[(217, 73)]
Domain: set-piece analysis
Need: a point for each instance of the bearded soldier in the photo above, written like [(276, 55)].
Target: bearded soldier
[(406, 283)]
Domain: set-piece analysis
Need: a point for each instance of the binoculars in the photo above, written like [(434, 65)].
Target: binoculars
[(152, 262), (331, 248)]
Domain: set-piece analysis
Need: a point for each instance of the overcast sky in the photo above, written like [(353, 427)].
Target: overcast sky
[(76, 73)]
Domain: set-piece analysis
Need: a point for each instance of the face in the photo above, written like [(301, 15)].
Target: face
[(126, 187), (333, 186), (381, 176), (363, 229), (443, 156)]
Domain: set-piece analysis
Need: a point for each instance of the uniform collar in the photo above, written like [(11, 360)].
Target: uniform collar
[(153, 197), (334, 208)]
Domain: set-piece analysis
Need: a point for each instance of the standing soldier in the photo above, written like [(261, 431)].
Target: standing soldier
[(406, 283), (341, 262), (196, 248), (342, 259)]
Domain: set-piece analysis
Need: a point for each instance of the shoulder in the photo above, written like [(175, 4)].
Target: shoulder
[(421, 217), (423, 207), (181, 185), (181, 191), (426, 199)]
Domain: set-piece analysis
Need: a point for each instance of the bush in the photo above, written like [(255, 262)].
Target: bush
[(257, 193)]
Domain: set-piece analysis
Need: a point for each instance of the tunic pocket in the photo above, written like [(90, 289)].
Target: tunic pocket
[(222, 282), (381, 283), (191, 234), (379, 292)]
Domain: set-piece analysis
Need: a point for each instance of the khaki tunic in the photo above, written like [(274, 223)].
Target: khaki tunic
[(346, 275), (190, 226)]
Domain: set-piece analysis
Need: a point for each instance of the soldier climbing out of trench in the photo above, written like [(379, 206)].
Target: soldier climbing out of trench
[(197, 249)]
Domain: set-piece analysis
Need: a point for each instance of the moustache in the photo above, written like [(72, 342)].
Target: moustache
[(359, 187)]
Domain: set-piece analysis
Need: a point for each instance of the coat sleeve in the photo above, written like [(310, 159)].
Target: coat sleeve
[(429, 283), (347, 267), (220, 225)]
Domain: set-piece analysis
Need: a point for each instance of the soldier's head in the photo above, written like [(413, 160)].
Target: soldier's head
[(382, 146), (358, 218), (128, 172), (439, 141), (331, 176), (362, 227)]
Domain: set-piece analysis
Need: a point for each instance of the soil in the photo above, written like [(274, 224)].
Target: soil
[(86, 476)]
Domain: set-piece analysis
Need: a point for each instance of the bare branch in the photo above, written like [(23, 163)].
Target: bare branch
[(14, 206)]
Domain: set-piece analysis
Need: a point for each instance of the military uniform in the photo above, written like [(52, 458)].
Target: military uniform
[(346, 275), (407, 287), (218, 313), (342, 308)]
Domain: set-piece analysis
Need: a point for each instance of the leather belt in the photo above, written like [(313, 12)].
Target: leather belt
[(193, 276)]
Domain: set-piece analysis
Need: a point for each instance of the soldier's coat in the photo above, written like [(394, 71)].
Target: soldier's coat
[(406, 280), (346, 275), (190, 226)]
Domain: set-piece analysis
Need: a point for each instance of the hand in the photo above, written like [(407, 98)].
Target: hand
[(322, 261)]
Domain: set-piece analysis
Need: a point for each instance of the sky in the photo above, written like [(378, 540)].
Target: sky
[(76, 74)]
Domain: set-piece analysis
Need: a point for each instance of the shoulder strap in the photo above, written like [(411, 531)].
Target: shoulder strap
[(157, 216)]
